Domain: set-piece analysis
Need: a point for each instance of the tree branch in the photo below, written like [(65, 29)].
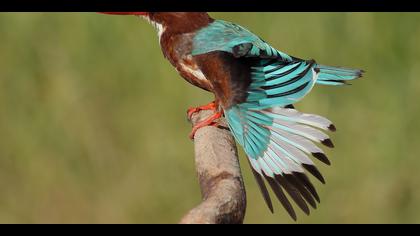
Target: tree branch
[(217, 165)]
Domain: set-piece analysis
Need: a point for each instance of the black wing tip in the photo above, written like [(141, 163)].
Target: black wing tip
[(304, 180), (332, 128), (315, 172), (327, 142), (263, 190), (293, 192), (307, 212), (292, 214), (297, 185), (302, 188), (322, 157), (277, 189)]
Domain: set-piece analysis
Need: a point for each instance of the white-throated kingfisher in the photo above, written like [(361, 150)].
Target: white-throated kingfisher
[(255, 87)]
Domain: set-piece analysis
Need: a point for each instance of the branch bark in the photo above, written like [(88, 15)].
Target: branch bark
[(220, 178)]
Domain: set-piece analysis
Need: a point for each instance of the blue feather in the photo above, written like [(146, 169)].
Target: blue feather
[(225, 36), (275, 139)]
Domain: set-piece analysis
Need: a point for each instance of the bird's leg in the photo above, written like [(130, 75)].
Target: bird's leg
[(210, 106), (210, 121)]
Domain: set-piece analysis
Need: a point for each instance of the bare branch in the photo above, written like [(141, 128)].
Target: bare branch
[(217, 165)]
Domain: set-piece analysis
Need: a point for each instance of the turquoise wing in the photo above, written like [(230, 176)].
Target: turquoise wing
[(229, 37), (284, 79), (277, 139), (278, 142)]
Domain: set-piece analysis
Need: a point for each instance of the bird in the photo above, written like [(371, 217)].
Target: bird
[(255, 88)]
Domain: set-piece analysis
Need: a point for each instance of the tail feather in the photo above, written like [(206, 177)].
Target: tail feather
[(329, 75)]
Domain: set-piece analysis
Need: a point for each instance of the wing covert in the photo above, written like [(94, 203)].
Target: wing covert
[(229, 37)]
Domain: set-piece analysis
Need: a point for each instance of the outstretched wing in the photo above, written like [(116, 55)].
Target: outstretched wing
[(278, 142), (276, 138)]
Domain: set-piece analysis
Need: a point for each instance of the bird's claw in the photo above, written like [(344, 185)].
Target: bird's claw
[(210, 121), (193, 110)]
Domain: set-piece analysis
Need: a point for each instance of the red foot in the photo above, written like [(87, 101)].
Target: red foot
[(210, 106), (207, 122)]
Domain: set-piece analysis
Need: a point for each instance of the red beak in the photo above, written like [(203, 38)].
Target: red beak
[(125, 13)]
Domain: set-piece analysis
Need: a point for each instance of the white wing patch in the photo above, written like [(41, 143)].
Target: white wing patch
[(190, 67)]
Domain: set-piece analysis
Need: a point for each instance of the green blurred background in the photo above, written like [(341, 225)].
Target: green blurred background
[(93, 126)]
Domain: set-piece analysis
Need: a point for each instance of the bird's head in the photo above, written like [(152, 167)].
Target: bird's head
[(175, 21)]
